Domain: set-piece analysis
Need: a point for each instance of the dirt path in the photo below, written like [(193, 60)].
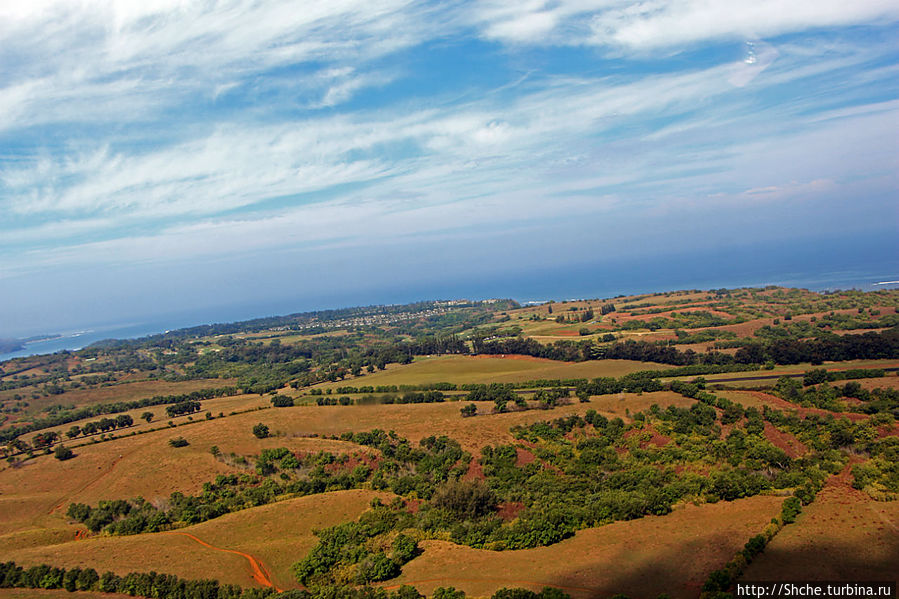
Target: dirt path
[(259, 572)]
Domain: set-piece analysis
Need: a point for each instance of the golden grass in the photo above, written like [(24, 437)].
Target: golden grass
[(489, 369), (416, 421), (844, 535), (281, 533), (111, 394), (34, 497), (793, 369), (122, 392), (642, 558), (160, 552), (275, 535), (221, 405)]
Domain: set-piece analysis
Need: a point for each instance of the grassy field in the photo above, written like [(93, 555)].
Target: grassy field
[(794, 369), (34, 496), (865, 548), (274, 535), (489, 369), (416, 421), (108, 394), (221, 405), (641, 558)]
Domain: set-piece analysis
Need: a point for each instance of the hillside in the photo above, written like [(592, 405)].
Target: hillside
[(567, 448)]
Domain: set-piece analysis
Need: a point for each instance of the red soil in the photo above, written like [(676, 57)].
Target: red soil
[(523, 457), (475, 472), (259, 572), (509, 510), (656, 439), (781, 404), (792, 446)]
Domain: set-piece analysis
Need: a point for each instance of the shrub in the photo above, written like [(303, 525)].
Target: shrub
[(178, 442), (282, 401), (261, 431), (63, 453)]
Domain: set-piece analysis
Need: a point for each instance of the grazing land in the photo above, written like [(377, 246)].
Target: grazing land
[(583, 446)]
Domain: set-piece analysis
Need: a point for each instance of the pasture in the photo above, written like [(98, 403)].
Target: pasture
[(490, 369), (642, 558)]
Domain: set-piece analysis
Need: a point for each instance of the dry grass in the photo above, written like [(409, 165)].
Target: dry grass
[(489, 369), (161, 552), (281, 534), (794, 369), (416, 421), (888, 382), (641, 558), (33, 497), (111, 394), (843, 535), (275, 535), (221, 405)]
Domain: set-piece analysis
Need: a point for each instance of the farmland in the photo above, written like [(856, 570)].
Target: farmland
[(571, 445)]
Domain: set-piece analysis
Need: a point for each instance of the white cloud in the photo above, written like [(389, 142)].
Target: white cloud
[(654, 24), (100, 59)]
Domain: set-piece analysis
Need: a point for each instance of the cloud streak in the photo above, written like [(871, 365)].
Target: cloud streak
[(138, 133)]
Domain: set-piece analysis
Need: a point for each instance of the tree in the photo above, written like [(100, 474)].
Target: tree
[(465, 499), (73, 432), (469, 410), (63, 453), (42, 440), (148, 416), (282, 401), (261, 431), (447, 593)]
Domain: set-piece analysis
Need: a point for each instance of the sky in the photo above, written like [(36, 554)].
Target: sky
[(171, 155)]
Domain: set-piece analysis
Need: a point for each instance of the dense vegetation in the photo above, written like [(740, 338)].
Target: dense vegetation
[(166, 586)]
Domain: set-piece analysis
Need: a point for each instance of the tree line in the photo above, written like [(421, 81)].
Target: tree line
[(112, 408), (167, 586)]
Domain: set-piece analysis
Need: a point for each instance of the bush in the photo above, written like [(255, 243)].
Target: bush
[(468, 500), (261, 431), (63, 453), (791, 508), (282, 401), (447, 593), (178, 442)]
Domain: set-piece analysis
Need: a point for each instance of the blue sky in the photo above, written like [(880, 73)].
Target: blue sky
[(166, 155)]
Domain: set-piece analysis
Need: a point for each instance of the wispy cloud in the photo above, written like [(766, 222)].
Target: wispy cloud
[(665, 23), (135, 133)]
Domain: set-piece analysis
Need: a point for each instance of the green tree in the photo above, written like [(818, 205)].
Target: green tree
[(63, 453), (261, 431)]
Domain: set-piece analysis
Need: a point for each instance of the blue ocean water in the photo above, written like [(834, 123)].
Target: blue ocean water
[(584, 281)]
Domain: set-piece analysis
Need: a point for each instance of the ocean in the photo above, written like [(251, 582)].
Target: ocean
[(585, 281)]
